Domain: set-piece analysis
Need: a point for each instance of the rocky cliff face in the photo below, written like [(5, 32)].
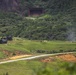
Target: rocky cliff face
[(9, 5)]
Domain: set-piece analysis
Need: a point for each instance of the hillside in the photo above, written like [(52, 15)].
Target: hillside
[(37, 28), (57, 21)]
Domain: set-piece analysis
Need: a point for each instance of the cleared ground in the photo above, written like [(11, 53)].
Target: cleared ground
[(63, 57)]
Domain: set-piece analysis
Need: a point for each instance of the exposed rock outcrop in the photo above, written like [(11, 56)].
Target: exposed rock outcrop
[(9, 5)]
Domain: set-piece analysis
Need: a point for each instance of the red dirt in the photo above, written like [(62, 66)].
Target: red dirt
[(49, 59), (15, 53), (64, 57), (67, 57)]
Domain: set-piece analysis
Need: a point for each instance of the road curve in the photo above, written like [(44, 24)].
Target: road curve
[(33, 57)]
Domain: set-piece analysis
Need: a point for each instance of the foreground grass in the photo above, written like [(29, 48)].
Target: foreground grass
[(19, 68), (2, 55), (31, 46), (38, 68)]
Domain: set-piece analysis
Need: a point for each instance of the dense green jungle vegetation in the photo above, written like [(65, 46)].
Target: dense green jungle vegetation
[(56, 23)]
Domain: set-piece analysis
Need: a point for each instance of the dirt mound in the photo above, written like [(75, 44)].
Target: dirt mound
[(67, 57), (50, 59), (64, 57), (15, 53)]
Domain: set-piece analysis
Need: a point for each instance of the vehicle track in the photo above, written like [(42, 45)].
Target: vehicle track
[(33, 57)]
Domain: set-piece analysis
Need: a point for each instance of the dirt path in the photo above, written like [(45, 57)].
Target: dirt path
[(33, 57), (19, 56)]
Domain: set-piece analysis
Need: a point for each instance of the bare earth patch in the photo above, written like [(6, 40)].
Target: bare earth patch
[(64, 57), (19, 56), (14, 55), (67, 57), (49, 59)]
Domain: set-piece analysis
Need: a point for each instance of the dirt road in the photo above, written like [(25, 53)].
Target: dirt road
[(33, 57)]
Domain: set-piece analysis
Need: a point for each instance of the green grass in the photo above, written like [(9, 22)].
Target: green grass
[(19, 68), (33, 45), (34, 67), (2, 55)]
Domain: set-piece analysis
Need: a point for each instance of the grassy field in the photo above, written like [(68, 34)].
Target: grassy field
[(38, 68), (18, 68), (31, 46), (35, 67)]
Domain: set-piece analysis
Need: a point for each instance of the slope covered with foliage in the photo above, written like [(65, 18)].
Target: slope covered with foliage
[(57, 22), (49, 6)]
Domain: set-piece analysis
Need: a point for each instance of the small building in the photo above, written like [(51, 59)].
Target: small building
[(35, 11)]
